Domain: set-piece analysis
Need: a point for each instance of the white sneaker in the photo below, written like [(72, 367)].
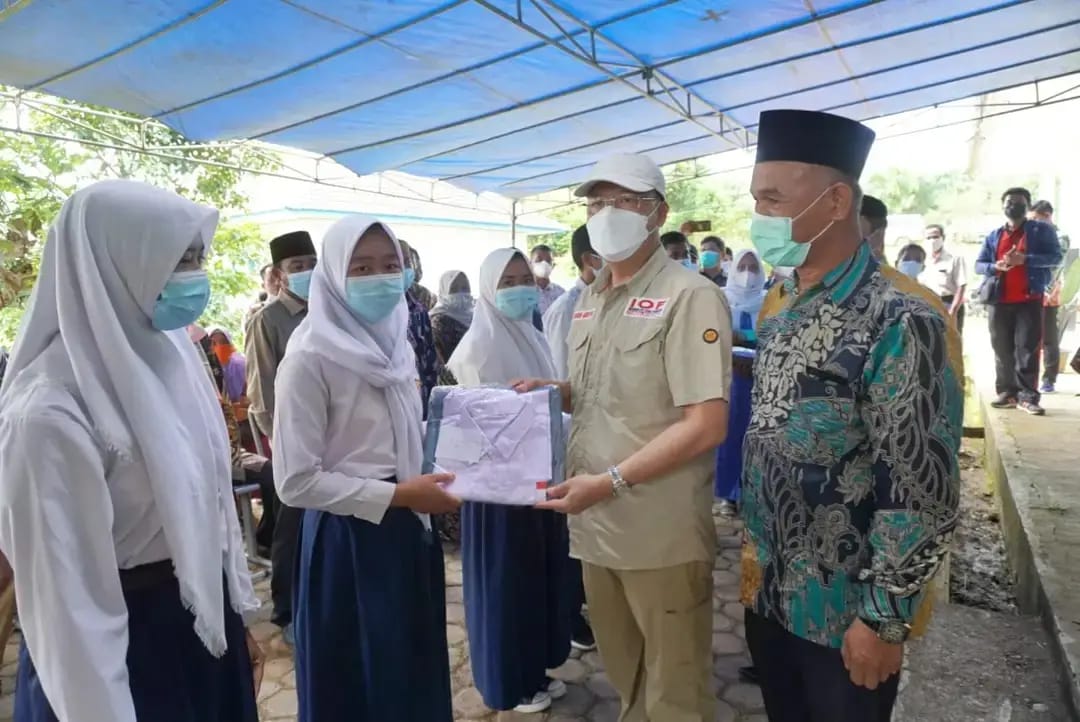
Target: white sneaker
[(556, 688), (539, 702)]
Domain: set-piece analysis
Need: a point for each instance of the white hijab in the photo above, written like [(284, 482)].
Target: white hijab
[(379, 353), (109, 253), (496, 349), (745, 297)]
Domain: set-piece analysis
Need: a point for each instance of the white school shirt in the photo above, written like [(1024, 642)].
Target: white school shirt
[(72, 514), (557, 322), (333, 442), (945, 275)]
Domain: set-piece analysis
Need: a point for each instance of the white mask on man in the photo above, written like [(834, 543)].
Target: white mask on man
[(542, 269), (617, 234)]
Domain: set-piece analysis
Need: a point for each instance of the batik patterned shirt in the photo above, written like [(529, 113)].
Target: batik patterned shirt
[(423, 346), (850, 471)]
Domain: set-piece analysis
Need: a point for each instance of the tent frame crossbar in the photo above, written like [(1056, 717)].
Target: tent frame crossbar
[(714, 122)]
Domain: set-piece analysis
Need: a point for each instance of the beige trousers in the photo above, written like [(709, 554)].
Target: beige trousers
[(7, 605), (654, 631)]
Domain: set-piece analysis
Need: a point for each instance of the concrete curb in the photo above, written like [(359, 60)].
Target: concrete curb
[(1026, 553)]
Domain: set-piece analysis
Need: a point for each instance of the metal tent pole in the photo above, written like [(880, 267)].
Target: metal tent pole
[(513, 223)]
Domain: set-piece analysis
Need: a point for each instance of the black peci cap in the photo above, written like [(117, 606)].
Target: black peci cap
[(808, 136), (291, 245)]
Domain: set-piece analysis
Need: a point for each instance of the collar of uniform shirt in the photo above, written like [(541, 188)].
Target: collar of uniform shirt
[(840, 282), (291, 304), (639, 280)]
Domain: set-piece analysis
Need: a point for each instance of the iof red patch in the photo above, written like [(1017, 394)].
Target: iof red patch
[(711, 335), (583, 315), (646, 307)]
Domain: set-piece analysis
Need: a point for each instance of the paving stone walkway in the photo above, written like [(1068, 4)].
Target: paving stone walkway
[(589, 694)]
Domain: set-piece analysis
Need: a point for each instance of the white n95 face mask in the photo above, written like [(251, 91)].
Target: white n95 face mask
[(617, 234)]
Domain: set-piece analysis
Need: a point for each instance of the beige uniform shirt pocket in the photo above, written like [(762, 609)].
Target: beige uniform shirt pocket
[(578, 355), (634, 383)]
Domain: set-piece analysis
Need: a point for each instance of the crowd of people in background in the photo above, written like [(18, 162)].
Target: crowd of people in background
[(804, 383)]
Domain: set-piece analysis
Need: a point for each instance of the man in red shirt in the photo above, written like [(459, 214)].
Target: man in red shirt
[(1020, 255)]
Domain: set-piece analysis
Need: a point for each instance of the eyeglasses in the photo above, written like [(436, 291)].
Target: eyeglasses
[(627, 202)]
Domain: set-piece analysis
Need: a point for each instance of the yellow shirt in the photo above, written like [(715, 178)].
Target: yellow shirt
[(640, 352)]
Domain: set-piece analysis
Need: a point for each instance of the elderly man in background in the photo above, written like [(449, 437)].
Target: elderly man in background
[(946, 274), (873, 220), (543, 263), (268, 333), (850, 475)]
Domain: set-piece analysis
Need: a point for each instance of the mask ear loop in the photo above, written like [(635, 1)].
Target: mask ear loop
[(812, 204)]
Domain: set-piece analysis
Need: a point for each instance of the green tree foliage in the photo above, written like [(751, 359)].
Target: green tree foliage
[(237, 253), (38, 173), (692, 197)]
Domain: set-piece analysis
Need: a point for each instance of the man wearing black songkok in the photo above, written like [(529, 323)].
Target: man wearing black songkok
[(268, 333), (873, 220), (850, 475)]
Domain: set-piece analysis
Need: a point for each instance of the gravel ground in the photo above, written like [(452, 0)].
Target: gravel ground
[(980, 574)]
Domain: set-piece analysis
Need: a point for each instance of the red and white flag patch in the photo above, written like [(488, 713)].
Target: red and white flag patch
[(646, 307), (584, 315)]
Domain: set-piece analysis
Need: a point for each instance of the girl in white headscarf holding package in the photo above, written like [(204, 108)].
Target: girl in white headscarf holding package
[(116, 505), (370, 616), (514, 559)]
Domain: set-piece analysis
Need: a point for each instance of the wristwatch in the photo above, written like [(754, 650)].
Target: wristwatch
[(892, 631), (618, 484)]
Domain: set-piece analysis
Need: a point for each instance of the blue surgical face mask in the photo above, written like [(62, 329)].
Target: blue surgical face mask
[(517, 303), (409, 276), (710, 259), (372, 298), (911, 268), (771, 235), (300, 284), (182, 301), (689, 263)]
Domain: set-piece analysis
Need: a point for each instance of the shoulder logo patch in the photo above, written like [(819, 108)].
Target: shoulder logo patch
[(711, 335)]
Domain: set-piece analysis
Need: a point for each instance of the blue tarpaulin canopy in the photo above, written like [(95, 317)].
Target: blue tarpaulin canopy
[(521, 96)]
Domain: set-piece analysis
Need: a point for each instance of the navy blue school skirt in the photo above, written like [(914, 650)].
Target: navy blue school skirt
[(173, 677), (518, 598), (729, 462), (370, 621)]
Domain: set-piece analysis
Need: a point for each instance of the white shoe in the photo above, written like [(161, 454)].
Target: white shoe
[(556, 688), (539, 702)]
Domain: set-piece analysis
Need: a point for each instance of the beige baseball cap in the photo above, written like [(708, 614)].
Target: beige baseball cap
[(637, 173)]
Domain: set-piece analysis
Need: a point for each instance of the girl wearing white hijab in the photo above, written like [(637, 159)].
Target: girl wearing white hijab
[(514, 559), (745, 293), (116, 505), (370, 615)]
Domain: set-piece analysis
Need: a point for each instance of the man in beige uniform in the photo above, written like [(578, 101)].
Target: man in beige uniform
[(650, 368)]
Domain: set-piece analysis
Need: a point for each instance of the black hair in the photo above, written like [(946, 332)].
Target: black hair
[(911, 247), (938, 226), (579, 246), (714, 239), (1043, 208), (1017, 192), (673, 237), (541, 248), (874, 209)]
